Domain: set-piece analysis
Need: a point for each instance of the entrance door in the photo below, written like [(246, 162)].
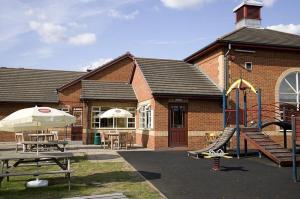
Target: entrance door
[(178, 131), (76, 131)]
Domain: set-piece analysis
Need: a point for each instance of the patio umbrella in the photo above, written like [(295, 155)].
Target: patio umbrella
[(36, 118), (116, 113)]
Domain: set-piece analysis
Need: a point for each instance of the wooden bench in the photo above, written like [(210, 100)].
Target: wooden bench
[(23, 159)]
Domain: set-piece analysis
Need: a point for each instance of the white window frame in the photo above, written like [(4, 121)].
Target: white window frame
[(295, 88), (145, 117), (64, 108), (248, 69), (98, 110)]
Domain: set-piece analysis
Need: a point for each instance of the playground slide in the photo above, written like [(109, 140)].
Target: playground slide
[(219, 143)]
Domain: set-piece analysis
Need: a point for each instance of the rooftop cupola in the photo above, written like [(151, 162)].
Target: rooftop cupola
[(248, 14)]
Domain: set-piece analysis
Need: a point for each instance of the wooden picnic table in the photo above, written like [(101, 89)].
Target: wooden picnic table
[(44, 145), (10, 161), (41, 136)]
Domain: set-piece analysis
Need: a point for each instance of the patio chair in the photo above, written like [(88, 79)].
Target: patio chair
[(105, 141), (55, 137), (121, 140), (19, 137), (131, 139)]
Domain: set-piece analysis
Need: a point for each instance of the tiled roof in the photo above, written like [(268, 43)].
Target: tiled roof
[(174, 77), (263, 37), (32, 85), (252, 36), (98, 90)]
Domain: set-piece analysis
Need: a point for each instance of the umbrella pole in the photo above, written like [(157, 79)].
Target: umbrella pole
[(65, 133), (113, 122)]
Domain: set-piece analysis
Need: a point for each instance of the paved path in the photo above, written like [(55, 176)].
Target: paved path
[(94, 152), (180, 177)]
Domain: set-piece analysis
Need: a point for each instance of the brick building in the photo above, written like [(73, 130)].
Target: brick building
[(173, 102)]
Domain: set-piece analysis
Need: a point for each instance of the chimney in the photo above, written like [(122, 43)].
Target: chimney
[(248, 14)]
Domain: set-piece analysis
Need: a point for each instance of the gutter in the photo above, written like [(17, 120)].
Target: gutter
[(226, 67)]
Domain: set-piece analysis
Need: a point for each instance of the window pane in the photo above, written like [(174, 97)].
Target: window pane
[(131, 125), (177, 117), (291, 78), (285, 88), (121, 122), (288, 98), (106, 123)]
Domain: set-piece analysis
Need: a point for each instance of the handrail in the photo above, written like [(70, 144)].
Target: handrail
[(275, 112)]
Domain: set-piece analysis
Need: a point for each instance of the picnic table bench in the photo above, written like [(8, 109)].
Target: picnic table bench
[(10, 161), (44, 145)]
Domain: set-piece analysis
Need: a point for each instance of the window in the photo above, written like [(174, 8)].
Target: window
[(290, 89), (77, 112), (146, 117), (248, 66), (110, 122), (65, 109)]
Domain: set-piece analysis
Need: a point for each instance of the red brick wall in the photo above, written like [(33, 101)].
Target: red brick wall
[(71, 96), (161, 115), (205, 115), (209, 64), (119, 72), (140, 86), (268, 66)]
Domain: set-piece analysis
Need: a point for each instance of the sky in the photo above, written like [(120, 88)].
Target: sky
[(81, 34)]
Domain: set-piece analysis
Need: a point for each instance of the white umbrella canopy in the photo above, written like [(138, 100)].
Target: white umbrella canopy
[(36, 118), (116, 113)]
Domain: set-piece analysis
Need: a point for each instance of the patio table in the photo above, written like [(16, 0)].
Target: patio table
[(115, 136), (41, 136), (32, 145), (11, 161)]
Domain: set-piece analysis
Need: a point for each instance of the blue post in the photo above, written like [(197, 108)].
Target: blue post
[(237, 120), (224, 108), (294, 148), (259, 122), (245, 110)]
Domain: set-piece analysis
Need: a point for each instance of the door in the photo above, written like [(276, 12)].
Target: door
[(178, 131), (76, 130)]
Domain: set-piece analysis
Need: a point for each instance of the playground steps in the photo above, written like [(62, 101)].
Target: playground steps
[(274, 151)]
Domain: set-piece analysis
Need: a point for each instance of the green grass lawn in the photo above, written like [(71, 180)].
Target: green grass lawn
[(88, 178)]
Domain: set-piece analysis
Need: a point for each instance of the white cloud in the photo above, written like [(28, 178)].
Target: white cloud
[(117, 14), (96, 64), (184, 4), (29, 12), (48, 31), (269, 3), (289, 28), (41, 53), (83, 39)]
